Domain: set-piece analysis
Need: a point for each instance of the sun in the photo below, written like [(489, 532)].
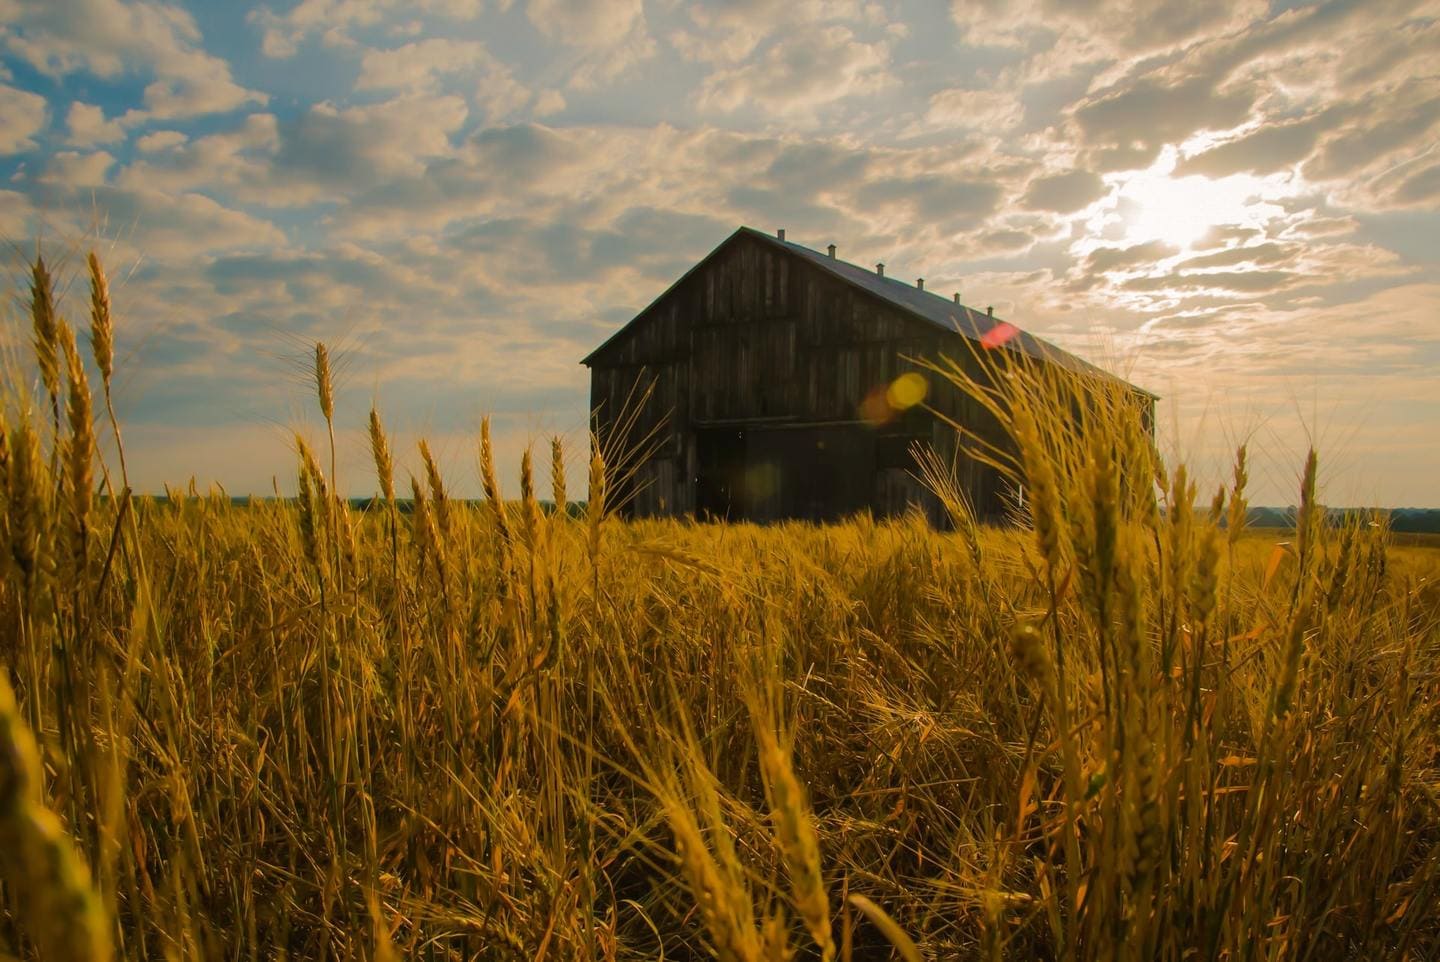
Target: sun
[(1155, 205)]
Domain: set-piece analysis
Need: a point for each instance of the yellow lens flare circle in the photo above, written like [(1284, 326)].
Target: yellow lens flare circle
[(906, 391), (887, 401)]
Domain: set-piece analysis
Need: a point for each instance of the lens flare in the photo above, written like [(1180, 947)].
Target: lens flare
[(906, 391), (875, 409), (998, 335)]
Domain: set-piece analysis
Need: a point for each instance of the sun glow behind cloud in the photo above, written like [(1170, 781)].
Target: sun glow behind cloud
[(1155, 205)]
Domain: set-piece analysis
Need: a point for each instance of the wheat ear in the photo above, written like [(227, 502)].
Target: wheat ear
[(44, 874)]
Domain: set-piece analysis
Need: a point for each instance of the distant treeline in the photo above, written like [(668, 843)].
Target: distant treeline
[(1402, 520)]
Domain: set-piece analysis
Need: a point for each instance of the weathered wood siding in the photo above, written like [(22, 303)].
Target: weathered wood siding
[(759, 339)]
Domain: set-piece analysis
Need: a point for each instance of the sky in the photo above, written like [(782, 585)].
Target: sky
[(1236, 204)]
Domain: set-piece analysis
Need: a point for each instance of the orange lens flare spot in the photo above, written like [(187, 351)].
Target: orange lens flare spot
[(875, 410), (886, 401), (998, 335)]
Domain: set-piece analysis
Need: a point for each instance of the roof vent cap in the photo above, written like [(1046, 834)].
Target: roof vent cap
[(920, 283), (989, 312), (880, 269), (780, 234), (832, 250), (957, 297)]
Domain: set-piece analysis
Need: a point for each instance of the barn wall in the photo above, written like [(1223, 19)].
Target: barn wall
[(757, 337)]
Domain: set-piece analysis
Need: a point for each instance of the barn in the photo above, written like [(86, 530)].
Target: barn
[(761, 386)]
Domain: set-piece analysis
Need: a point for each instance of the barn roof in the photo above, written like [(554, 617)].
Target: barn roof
[(939, 311)]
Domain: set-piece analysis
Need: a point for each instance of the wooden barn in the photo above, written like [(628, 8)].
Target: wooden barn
[(768, 374)]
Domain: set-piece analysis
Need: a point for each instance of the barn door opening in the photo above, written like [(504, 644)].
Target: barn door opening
[(720, 474)]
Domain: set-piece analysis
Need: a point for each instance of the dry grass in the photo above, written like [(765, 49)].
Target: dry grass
[(298, 731)]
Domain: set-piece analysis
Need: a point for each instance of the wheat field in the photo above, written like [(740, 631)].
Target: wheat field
[(1121, 728)]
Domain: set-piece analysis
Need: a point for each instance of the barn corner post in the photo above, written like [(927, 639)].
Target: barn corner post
[(777, 383)]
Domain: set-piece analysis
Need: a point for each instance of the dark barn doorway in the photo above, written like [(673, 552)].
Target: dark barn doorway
[(815, 473), (719, 474)]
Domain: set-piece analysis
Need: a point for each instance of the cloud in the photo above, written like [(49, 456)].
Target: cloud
[(162, 226), (77, 169), (498, 171), (1271, 267), (990, 110), (110, 37), (1392, 124), (929, 197), (161, 141), (1064, 193), (1222, 283), (237, 161), (1256, 254), (1126, 125), (612, 34), (549, 102), (1270, 147), (1422, 188), (644, 240), (334, 20), (1101, 27), (16, 214), (730, 31), (1144, 255), (800, 72), (22, 115), (587, 23), (334, 149), (89, 127), (418, 67), (1006, 241)]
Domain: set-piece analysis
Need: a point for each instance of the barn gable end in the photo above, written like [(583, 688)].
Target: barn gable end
[(759, 361)]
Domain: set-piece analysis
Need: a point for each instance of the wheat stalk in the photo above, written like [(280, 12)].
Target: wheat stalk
[(61, 911), (557, 477), (795, 831), (102, 346), (79, 448), (46, 333), (380, 453)]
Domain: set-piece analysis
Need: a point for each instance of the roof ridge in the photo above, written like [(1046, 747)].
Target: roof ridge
[(954, 318)]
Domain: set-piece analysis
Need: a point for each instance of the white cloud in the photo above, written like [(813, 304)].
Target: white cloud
[(1102, 28), (729, 31), (16, 211), (156, 225), (160, 141), (336, 20), (329, 153), (109, 37), (989, 110), (22, 115), (549, 102), (586, 23), (418, 67), (90, 128), (359, 146), (77, 169), (236, 160), (611, 36), (801, 71)]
